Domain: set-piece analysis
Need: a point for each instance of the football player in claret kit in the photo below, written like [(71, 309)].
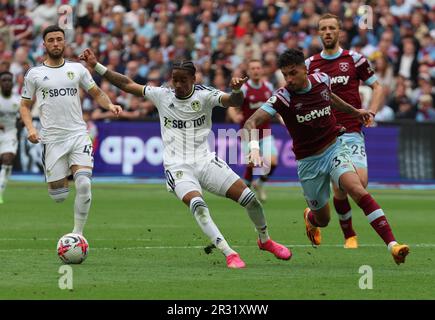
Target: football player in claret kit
[(67, 148), (185, 119), (256, 91), (305, 106), (346, 69), (9, 108)]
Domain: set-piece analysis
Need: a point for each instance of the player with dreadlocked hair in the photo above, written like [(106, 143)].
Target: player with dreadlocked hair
[(185, 117)]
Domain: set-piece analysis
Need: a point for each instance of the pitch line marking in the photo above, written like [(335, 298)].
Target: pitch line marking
[(423, 245)]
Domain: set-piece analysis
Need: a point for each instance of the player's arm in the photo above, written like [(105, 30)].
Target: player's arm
[(339, 104), (235, 99), (121, 81), (103, 100), (234, 114), (26, 117), (377, 98), (251, 134)]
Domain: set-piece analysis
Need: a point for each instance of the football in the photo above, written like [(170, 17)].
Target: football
[(72, 248)]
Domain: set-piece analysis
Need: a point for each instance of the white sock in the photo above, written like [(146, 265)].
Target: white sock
[(200, 211), (391, 244), (82, 202), (5, 173), (255, 212)]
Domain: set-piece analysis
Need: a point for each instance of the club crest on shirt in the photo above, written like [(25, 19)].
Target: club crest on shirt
[(343, 66), (272, 100), (195, 105), (325, 94), (70, 75), (298, 106), (178, 174)]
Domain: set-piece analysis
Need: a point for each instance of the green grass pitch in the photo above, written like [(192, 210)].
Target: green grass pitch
[(144, 244)]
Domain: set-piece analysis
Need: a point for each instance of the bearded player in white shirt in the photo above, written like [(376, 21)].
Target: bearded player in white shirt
[(9, 104), (185, 119), (67, 148)]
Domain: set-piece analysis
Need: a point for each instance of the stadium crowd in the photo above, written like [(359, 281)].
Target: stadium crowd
[(140, 38)]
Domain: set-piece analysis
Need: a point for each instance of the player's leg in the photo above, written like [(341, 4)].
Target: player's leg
[(187, 188), (355, 143), (314, 177), (270, 158), (82, 203), (58, 190), (218, 178), (81, 165), (7, 160), (350, 182), (240, 193), (317, 214), (8, 150), (56, 170), (247, 175)]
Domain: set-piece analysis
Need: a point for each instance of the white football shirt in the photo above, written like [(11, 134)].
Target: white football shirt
[(58, 99), (185, 124), (9, 110)]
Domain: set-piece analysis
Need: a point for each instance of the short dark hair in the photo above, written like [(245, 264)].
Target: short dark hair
[(185, 65), (6, 72), (52, 28), (330, 16), (290, 57)]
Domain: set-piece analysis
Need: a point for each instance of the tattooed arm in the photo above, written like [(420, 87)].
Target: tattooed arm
[(122, 82)]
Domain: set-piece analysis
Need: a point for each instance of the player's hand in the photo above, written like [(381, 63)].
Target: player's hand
[(254, 158), (89, 57), (237, 83), (371, 122), (115, 109), (364, 116), (33, 136)]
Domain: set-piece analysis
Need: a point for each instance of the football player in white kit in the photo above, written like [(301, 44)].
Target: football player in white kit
[(9, 107), (185, 119), (67, 148)]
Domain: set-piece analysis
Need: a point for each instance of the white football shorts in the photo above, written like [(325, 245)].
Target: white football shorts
[(57, 158), (8, 142), (213, 174)]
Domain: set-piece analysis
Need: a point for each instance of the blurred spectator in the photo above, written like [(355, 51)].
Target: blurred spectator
[(424, 87), (426, 110), (6, 35), (248, 44), (407, 65), (405, 109), (132, 71), (45, 13), (384, 73), (22, 26)]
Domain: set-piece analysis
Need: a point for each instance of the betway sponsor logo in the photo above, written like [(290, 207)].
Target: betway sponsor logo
[(340, 79), (314, 115)]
